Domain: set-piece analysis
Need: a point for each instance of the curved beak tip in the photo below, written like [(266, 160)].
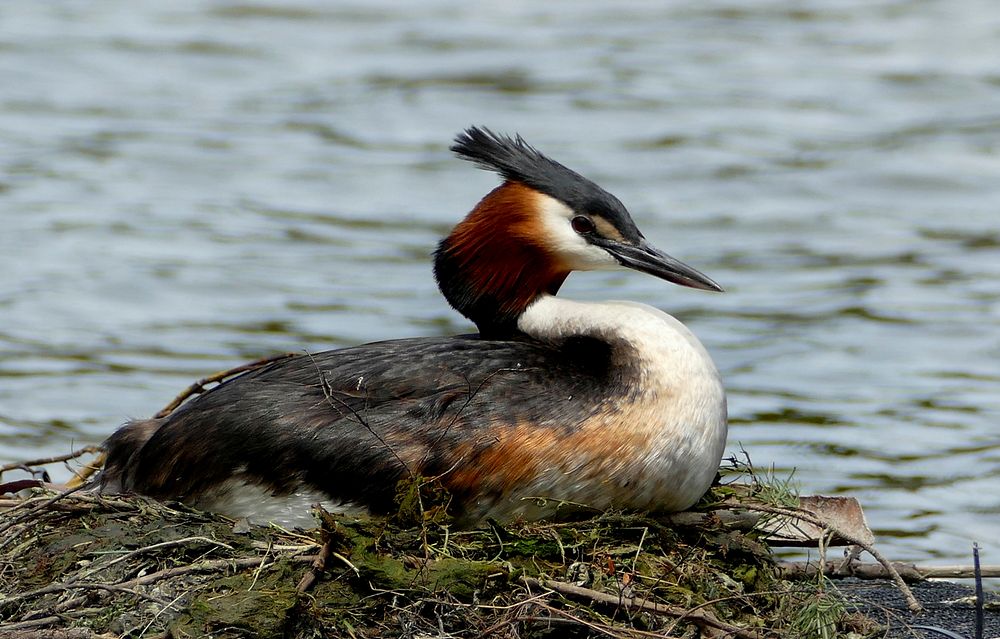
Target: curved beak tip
[(703, 283), (648, 259)]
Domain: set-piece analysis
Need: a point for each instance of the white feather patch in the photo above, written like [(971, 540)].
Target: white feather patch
[(570, 246), (238, 498), (679, 406)]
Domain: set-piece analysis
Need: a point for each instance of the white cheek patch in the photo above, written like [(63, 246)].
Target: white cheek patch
[(574, 250)]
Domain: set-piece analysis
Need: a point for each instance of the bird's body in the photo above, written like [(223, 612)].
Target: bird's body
[(612, 404)]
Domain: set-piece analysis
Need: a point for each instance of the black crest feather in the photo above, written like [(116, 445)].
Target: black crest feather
[(516, 160), (512, 158)]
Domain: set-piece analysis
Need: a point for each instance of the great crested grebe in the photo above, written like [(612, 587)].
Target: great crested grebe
[(610, 404)]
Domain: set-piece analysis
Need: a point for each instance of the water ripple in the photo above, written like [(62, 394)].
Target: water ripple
[(189, 186)]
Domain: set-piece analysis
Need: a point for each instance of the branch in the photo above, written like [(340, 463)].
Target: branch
[(21, 630), (79, 585), (162, 544), (51, 460), (318, 565), (909, 572), (199, 386), (701, 619), (27, 515), (911, 601), (213, 565)]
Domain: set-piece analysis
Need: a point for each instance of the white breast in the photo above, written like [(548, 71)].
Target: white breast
[(680, 405)]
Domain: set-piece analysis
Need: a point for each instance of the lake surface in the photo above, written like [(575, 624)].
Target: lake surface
[(188, 185)]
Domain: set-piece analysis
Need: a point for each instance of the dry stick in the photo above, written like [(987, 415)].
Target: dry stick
[(145, 580), (76, 585), (81, 476), (199, 386), (261, 545), (162, 544), (27, 515), (80, 502), (911, 601), (160, 612), (618, 601), (712, 602), (318, 565), (603, 628), (204, 566), (7, 628), (68, 633), (852, 555), (84, 497), (72, 603), (699, 618), (737, 519), (260, 568), (567, 618), (69, 604), (34, 623), (909, 572), (51, 460)]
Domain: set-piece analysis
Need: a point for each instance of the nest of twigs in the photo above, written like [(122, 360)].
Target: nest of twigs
[(75, 565), (133, 567)]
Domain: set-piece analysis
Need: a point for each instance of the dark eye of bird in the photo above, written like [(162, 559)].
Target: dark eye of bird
[(583, 225)]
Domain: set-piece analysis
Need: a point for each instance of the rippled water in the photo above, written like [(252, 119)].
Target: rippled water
[(188, 185)]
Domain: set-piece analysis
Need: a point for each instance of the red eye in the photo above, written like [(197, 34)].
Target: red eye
[(583, 225)]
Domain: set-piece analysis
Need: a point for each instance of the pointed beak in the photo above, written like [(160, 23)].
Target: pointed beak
[(649, 259)]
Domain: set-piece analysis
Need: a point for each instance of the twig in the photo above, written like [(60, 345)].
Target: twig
[(329, 396), (701, 619), (27, 515), (711, 602), (159, 612), (318, 565), (79, 585), (852, 555), (67, 633), (565, 617), (260, 568), (162, 544), (212, 565), (638, 551), (736, 519), (977, 570), (69, 604), (81, 475), (145, 580), (294, 548), (909, 572), (51, 460), (33, 623), (89, 498), (911, 601), (199, 387), (130, 585), (347, 562)]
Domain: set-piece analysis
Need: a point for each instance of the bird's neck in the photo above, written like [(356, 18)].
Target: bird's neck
[(492, 266), (654, 345)]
